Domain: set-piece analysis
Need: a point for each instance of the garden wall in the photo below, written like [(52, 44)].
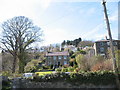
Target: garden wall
[(25, 83)]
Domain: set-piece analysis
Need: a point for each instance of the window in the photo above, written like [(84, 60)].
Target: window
[(101, 49), (48, 62), (49, 57), (101, 43), (114, 43), (65, 62), (65, 57), (108, 43), (55, 62), (54, 57), (59, 57)]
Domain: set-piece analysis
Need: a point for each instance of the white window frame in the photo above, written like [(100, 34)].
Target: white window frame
[(65, 62), (59, 57), (54, 57), (101, 43), (108, 43), (65, 57), (102, 49), (49, 57)]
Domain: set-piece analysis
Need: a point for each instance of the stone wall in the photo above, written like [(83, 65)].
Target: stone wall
[(25, 83)]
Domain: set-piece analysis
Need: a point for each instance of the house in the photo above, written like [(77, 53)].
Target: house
[(70, 47), (102, 46), (91, 52), (57, 58)]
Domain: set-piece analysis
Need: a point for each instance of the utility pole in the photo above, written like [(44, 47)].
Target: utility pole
[(115, 69)]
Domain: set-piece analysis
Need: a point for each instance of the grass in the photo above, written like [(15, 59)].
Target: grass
[(43, 73)]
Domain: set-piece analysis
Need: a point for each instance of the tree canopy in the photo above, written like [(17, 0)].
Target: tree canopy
[(85, 43), (72, 42), (18, 34)]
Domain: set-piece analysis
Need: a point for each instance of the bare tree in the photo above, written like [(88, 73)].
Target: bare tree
[(18, 34)]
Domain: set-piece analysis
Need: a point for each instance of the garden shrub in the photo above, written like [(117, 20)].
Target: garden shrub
[(32, 66), (52, 77), (46, 67), (51, 66), (105, 65), (95, 78), (39, 69), (64, 70), (70, 69), (6, 83), (77, 70), (6, 73), (66, 65), (58, 70)]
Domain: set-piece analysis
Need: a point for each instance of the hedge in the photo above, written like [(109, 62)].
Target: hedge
[(96, 78)]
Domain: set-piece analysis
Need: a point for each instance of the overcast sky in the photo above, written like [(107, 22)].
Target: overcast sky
[(64, 19)]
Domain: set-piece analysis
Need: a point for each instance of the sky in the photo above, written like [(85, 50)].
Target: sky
[(64, 19)]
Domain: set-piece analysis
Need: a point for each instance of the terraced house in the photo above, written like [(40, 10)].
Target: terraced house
[(102, 46), (57, 58)]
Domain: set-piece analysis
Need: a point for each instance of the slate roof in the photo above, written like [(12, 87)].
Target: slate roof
[(65, 53), (105, 40)]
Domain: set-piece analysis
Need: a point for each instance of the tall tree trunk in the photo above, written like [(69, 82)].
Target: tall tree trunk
[(22, 58), (14, 63), (21, 66)]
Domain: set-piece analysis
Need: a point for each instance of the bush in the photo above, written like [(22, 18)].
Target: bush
[(46, 67), (32, 66), (39, 69), (70, 69), (105, 65), (52, 77), (51, 66), (6, 73), (66, 66), (64, 70), (82, 52), (77, 70), (58, 70), (6, 83), (95, 78)]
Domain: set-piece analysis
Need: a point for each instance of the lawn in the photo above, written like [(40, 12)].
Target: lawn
[(43, 73)]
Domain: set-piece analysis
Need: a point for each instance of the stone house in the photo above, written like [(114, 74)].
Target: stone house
[(57, 58), (102, 46)]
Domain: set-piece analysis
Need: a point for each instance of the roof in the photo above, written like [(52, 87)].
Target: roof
[(65, 53), (106, 40)]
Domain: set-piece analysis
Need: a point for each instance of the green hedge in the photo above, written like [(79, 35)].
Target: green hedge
[(6, 83), (96, 78)]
